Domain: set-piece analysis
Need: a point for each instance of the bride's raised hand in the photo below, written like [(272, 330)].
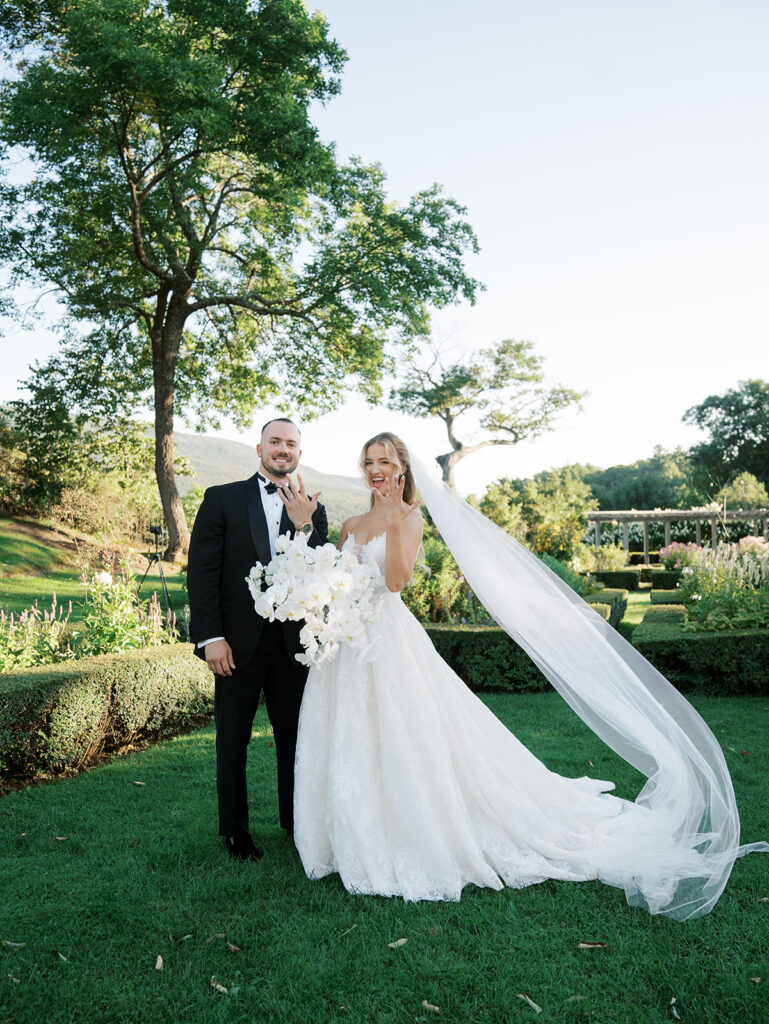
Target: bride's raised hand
[(392, 504)]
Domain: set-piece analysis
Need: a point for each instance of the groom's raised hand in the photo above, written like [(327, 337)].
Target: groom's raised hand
[(299, 505)]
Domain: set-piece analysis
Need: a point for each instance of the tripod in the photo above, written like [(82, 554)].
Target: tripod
[(154, 556)]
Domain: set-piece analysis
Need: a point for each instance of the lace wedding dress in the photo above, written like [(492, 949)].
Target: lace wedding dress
[(407, 785)]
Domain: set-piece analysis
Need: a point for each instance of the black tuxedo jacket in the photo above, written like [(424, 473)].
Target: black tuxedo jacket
[(229, 535)]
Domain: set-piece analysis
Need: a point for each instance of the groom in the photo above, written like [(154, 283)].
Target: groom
[(237, 524)]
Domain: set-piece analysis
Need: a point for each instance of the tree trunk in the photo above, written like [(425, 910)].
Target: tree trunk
[(164, 364), (448, 463)]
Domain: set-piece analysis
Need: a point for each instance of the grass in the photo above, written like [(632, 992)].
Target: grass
[(139, 873), (637, 603), (35, 569)]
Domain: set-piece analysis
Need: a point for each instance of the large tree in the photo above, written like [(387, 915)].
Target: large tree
[(184, 208), (738, 426), (504, 384)]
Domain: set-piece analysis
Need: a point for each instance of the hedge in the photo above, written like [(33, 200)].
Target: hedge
[(59, 717), (665, 596), (665, 579), (615, 599), (486, 658), (625, 579), (658, 613), (727, 662)]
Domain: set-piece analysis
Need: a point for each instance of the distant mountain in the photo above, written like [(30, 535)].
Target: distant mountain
[(217, 461)]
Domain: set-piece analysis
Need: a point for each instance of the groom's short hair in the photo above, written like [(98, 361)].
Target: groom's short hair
[(281, 419)]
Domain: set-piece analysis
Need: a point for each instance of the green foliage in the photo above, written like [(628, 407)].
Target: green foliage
[(587, 558), (486, 658), (738, 425), (657, 614), (628, 578), (744, 492), (35, 637), (578, 583), (665, 597), (731, 661), (502, 384), (677, 555), (663, 481), (726, 589), (182, 203), (501, 507), (613, 598), (438, 592), (60, 717), (112, 619), (93, 471), (551, 505)]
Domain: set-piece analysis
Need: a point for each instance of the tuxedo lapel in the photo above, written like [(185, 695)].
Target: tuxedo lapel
[(257, 521)]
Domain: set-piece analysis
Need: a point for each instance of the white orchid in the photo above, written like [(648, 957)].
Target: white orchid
[(335, 596)]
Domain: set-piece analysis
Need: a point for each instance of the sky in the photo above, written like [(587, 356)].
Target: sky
[(613, 158)]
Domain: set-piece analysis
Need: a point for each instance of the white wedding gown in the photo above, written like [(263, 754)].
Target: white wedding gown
[(407, 785)]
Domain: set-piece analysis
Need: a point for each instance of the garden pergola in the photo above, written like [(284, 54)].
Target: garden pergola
[(700, 516)]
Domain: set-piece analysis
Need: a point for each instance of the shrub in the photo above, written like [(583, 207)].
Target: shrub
[(114, 619), (60, 717), (579, 584), (665, 579), (34, 637), (486, 658), (665, 597), (614, 599), (727, 590), (677, 555), (588, 558), (664, 613), (727, 662), (438, 592), (627, 579)]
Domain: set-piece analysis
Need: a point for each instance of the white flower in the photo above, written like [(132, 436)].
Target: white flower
[(103, 579), (333, 594)]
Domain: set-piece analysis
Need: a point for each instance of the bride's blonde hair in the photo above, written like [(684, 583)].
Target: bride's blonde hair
[(398, 454)]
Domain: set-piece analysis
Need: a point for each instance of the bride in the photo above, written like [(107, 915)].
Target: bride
[(407, 785)]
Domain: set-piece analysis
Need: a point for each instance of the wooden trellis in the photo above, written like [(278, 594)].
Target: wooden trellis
[(700, 516)]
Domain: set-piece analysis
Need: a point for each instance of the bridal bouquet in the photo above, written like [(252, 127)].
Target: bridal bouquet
[(331, 590)]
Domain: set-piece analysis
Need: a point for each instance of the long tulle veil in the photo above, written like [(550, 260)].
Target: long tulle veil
[(674, 853)]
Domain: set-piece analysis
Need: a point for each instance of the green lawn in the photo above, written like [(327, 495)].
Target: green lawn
[(138, 873), (33, 570), (637, 603)]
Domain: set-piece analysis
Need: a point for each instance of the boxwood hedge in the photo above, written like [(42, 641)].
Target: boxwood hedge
[(59, 717), (730, 661)]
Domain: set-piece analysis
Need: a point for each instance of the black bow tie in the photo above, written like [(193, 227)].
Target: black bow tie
[(269, 486)]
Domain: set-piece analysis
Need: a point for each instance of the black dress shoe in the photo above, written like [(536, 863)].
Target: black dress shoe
[(243, 848)]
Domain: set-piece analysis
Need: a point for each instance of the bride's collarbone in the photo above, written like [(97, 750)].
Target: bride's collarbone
[(364, 532)]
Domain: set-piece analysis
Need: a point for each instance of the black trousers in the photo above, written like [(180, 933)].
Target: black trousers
[(281, 678)]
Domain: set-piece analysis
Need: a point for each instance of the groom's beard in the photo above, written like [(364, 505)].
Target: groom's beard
[(281, 469)]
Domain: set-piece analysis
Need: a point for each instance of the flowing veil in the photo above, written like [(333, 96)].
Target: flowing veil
[(673, 852)]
